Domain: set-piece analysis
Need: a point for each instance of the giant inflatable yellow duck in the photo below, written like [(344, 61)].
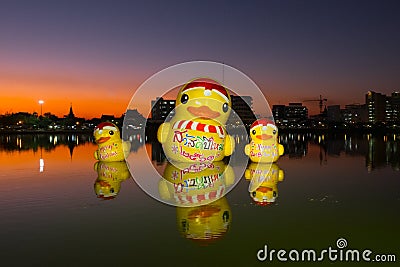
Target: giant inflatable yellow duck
[(264, 146), (264, 182), (194, 184), (204, 224), (110, 146), (196, 133), (109, 178)]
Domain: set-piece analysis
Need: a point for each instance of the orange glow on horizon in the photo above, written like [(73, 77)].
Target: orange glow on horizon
[(93, 89), (82, 108), (92, 97), (85, 106), (89, 100)]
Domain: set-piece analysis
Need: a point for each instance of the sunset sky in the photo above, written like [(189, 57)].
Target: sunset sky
[(94, 54)]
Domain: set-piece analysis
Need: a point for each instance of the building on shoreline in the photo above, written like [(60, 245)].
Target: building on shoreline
[(379, 110), (355, 114), (376, 106), (295, 115), (382, 108), (162, 108)]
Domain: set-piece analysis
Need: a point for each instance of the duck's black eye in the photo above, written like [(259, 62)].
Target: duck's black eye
[(274, 194), (225, 216), (225, 107), (274, 131), (254, 193), (111, 132), (253, 132), (184, 98)]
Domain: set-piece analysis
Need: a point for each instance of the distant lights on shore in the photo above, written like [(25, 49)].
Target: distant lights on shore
[(41, 102)]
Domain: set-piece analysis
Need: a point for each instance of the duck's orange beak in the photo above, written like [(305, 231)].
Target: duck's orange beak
[(104, 184), (264, 136), (102, 140), (203, 112), (264, 189)]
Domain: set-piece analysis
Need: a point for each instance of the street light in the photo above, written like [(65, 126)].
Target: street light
[(41, 102)]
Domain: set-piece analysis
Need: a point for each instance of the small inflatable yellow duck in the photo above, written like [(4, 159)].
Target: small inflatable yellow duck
[(110, 146), (264, 146), (194, 184), (264, 182), (204, 224), (109, 178), (196, 133)]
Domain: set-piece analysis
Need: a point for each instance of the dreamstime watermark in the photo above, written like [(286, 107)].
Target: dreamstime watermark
[(338, 253)]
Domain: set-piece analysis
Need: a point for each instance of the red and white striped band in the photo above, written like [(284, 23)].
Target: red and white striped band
[(197, 126), (186, 199)]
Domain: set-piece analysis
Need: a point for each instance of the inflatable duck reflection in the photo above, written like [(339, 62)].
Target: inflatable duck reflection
[(204, 224), (110, 146), (264, 178), (110, 176), (196, 133), (194, 184), (264, 146)]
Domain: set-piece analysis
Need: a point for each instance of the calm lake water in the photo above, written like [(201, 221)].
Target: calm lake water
[(55, 211)]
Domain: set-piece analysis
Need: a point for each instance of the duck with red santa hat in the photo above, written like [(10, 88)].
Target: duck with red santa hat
[(264, 146)]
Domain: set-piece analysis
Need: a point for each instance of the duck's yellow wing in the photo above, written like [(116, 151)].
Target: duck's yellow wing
[(229, 145), (162, 132)]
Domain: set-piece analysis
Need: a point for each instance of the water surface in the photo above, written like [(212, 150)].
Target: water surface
[(334, 186)]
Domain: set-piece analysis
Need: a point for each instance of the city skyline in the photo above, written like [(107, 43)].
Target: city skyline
[(168, 98), (96, 56)]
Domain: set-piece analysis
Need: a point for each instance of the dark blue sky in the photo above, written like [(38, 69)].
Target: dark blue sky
[(294, 50)]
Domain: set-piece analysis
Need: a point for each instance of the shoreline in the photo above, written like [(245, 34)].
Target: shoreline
[(281, 130), (87, 131)]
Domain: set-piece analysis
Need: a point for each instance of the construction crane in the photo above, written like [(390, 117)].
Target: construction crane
[(321, 101)]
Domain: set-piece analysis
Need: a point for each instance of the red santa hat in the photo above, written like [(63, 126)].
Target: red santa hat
[(262, 123), (262, 203), (207, 84), (106, 126)]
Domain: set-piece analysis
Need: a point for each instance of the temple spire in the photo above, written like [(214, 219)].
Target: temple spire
[(71, 112)]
